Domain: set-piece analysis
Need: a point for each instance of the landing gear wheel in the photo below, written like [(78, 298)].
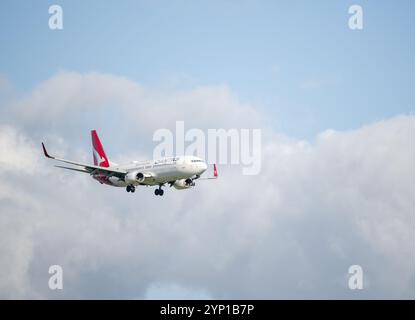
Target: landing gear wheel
[(159, 192), (128, 188), (132, 189)]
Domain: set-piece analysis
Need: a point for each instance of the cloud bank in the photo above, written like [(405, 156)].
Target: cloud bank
[(290, 232)]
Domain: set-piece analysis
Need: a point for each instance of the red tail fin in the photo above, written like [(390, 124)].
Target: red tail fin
[(100, 158), (215, 172)]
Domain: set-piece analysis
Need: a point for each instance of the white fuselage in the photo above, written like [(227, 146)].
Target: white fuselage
[(156, 172)]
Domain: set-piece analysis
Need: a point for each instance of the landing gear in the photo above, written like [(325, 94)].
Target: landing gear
[(159, 191), (130, 189)]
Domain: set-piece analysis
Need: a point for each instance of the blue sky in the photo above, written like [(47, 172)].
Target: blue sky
[(296, 60)]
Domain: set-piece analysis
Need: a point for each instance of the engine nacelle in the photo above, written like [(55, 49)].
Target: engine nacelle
[(136, 176), (184, 184)]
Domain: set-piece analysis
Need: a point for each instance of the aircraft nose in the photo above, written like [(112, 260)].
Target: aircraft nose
[(203, 166)]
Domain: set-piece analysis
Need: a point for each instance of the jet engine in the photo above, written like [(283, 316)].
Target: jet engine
[(184, 184), (136, 176)]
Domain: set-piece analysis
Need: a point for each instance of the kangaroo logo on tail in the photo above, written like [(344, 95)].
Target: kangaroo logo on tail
[(96, 157), (100, 158)]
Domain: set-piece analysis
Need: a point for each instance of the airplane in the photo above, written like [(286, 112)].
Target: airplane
[(179, 171)]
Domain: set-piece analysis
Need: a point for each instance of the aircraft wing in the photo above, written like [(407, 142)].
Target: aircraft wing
[(87, 168), (74, 169), (215, 174)]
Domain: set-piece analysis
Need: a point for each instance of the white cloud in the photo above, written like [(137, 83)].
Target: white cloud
[(293, 231), (18, 154), (174, 292), (65, 97)]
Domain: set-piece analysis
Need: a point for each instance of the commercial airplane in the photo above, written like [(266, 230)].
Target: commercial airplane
[(179, 172)]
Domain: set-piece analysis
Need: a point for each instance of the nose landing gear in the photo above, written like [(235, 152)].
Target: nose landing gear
[(159, 191)]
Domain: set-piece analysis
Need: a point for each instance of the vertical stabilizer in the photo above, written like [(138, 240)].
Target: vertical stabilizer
[(100, 158)]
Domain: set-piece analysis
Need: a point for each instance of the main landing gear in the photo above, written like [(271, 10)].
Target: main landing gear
[(130, 189), (159, 191)]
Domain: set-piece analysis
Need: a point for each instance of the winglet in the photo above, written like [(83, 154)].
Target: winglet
[(215, 172), (46, 153)]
